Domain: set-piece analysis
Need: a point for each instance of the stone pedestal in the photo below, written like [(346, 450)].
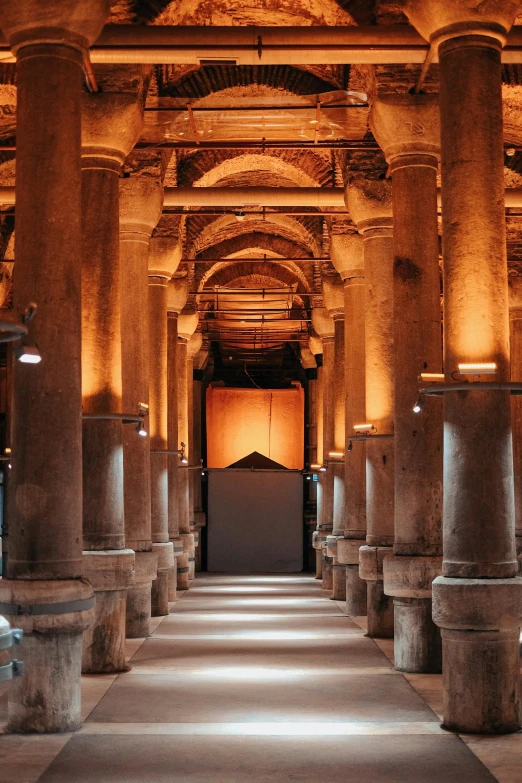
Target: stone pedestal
[(141, 201), (111, 574), (44, 507), (407, 129), (476, 601), (370, 207), (138, 612)]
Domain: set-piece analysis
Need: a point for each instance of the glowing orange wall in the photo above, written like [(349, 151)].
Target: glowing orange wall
[(240, 421)]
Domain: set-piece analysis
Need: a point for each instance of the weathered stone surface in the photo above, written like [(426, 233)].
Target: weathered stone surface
[(477, 604), (410, 577)]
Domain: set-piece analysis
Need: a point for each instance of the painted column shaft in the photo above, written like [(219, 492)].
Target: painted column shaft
[(183, 475), (515, 341), (173, 445)]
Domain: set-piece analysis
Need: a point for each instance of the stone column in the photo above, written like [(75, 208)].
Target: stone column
[(187, 323), (319, 535), (141, 200), (200, 519), (44, 507), (324, 326), (193, 347), (333, 297), (347, 255), (476, 602), (164, 258), (176, 299), (407, 129), (309, 366), (111, 125), (371, 210), (515, 342)]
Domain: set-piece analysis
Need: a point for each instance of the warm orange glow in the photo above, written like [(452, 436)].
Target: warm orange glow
[(315, 466), (269, 421), (363, 427), (478, 368), (335, 455)]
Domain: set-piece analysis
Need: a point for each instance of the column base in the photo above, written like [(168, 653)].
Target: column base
[(318, 564), (184, 576), (138, 614), (173, 582), (338, 582), (417, 640), (111, 574), (356, 592), (481, 692), (159, 595), (380, 612), (327, 575), (47, 698), (138, 597)]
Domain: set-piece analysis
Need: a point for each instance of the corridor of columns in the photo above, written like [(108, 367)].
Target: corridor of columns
[(260, 678), (260, 390)]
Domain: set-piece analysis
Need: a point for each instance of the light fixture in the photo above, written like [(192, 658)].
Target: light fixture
[(182, 457), (322, 469), (27, 354), (363, 428), (478, 368), (335, 455), (308, 478), (141, 430), (143, 409), (431, 377), (315, 466), (510, 151), (350, 445), (419, 405), (240, 216)]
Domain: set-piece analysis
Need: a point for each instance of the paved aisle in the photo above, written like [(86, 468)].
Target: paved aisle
[(262, 680)]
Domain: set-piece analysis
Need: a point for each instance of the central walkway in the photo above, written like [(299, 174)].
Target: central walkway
[(252, 679)]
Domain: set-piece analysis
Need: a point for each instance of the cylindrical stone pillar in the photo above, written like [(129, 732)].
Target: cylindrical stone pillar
[(346, 251), (515, 342), (176, 299), (324, 326), (319, 535), (141, 200), (407, 129), (187, 323), (44, 506), (164, 258), (193, 348), (309, 365), (200, 519), (370, 208), (476, 601), (111, 125), (333, 297)]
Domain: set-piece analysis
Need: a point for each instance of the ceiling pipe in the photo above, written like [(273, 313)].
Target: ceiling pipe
[(262, 197), (397, 44)]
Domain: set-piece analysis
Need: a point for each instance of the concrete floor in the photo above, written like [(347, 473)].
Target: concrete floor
[(260, 680)]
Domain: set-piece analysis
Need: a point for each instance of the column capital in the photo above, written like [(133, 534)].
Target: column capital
[(370, 204), (141, 202), (111, 126), (407, 126), (322, 323), (194, 344), (333, 296), (178, 290), (164, 258), (347, 254), (200, 357), (440, 20), (315, 345), (307, 358), (32, 22), (187, 324)]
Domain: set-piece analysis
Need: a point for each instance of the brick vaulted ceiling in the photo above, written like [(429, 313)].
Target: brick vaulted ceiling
[(276, 237)]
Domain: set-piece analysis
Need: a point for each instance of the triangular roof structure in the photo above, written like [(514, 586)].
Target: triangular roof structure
[(257, 461)]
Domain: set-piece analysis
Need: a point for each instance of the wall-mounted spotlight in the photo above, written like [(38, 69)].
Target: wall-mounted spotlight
[(240, 216), (315, 466), (350, 445), (322, 469), (182, 456), (335, 455), (143, 409), (141, 430), (431, 377), (478, 368), (308, 478), (364, 429), (419, 405), (27, 354)]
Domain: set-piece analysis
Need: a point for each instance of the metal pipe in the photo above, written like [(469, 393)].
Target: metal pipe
[(394, 45)]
